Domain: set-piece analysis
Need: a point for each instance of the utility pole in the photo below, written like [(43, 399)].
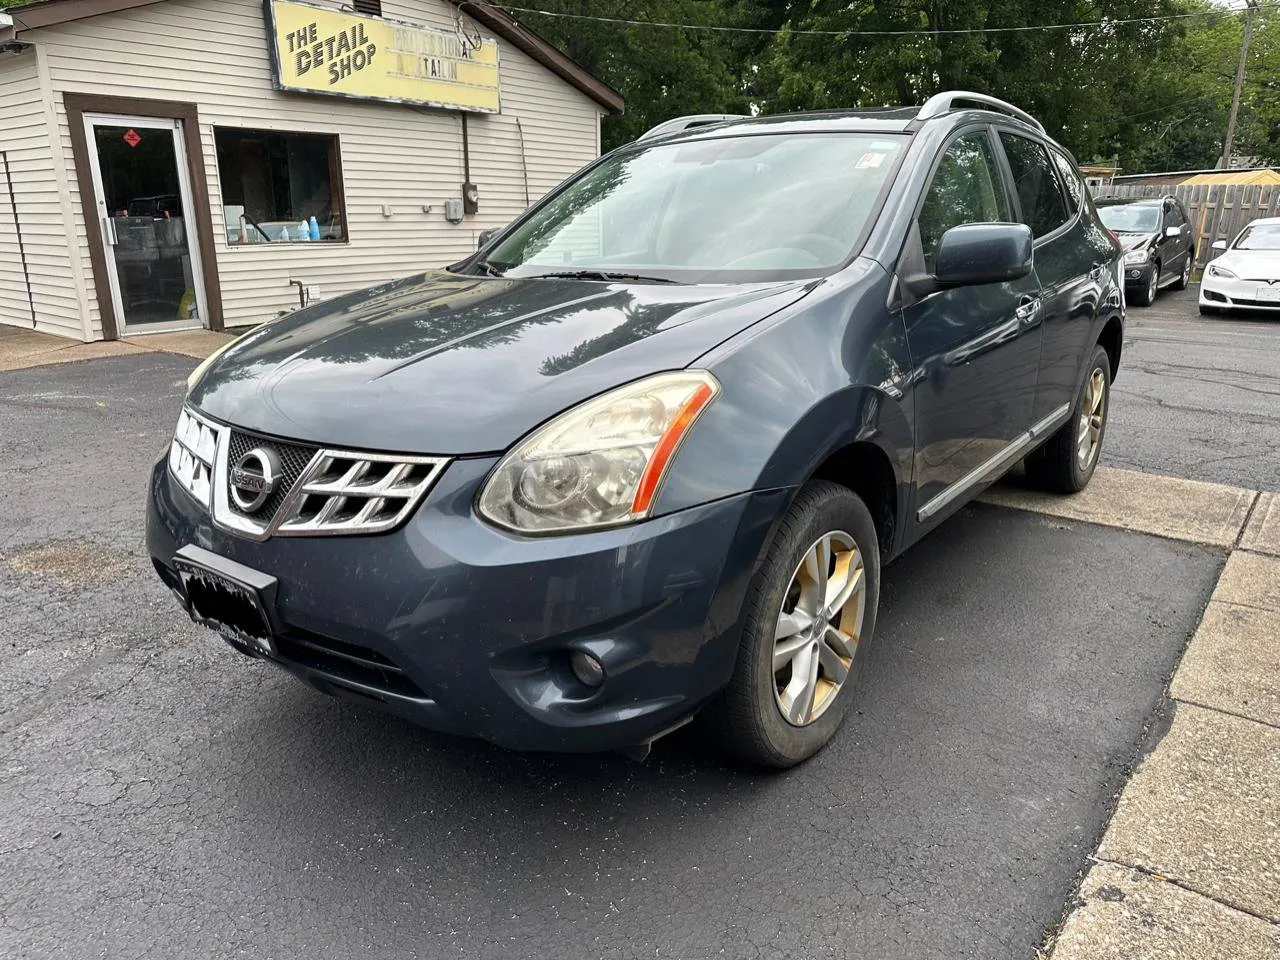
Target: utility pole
[(1250, 13)]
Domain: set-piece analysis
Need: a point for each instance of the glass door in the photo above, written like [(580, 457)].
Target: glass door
[(143, 199)]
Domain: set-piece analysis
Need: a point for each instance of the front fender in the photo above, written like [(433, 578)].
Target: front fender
[(826, 372)]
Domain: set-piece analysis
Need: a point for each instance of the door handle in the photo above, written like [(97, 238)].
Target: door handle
[(109, 231), (1028, 310)]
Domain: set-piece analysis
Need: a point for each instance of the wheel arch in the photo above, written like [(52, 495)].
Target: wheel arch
[(866, 469), (861, 439), (1111, 339)]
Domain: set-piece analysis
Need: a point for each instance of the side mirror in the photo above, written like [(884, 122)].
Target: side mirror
[(977, 253), (485, 236), (1173, 231), (1219, 245)]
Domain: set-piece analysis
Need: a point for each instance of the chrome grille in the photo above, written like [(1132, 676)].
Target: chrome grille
[(319, 491), (192, 453), (348, 492), (294, 459)]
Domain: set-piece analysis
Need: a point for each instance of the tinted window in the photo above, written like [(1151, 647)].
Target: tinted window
[(1173, 215), (1071, 180), (1043, 209), (966, 189)]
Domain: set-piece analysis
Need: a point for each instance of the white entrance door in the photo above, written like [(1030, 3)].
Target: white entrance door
[(143, 199)]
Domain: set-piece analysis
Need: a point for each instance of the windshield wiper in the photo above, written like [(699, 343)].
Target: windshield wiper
[(596, 275)]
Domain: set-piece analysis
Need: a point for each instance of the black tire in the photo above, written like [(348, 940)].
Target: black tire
[(1208, 311), (1184, 279), (1055, 466), (1147, 294), (745, 719)]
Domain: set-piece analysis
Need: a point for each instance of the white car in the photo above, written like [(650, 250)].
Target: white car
[(1247, 274)]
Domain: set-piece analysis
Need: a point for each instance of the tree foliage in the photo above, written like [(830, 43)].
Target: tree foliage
[(1152, 95)]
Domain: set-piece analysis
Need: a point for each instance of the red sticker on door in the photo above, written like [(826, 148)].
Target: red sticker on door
[(132, 138)]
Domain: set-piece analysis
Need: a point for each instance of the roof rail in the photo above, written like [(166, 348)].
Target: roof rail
[(684, 123), (944, 103)]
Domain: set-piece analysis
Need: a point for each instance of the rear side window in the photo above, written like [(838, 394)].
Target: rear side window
[(1043, 208), (1071, 180), (966, 188)]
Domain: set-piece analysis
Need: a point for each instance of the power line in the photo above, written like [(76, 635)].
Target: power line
[(1169, 106), (867, 33)]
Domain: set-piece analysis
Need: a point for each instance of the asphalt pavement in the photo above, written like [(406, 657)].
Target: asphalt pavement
[(1198, 397), (161, 796)]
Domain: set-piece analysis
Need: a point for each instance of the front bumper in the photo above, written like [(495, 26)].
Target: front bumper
[(460, 627), (1138, 275), (1227, 293)]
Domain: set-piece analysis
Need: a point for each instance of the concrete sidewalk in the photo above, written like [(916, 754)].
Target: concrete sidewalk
[(1189, 867), (21, 348)]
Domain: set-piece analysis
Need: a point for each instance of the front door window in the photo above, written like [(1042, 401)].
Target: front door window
[(144, 205), (965, 189)]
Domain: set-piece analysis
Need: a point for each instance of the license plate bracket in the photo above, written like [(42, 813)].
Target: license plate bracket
[(229, 598), (1269, 294)]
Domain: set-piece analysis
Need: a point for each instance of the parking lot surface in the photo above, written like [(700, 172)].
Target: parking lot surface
[(162, 796), (1197, 397)]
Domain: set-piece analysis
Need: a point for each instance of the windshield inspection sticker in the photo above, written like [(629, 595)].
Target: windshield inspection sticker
[(869, 160)]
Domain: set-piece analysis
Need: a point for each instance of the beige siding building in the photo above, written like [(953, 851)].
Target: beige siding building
[(183, 163)]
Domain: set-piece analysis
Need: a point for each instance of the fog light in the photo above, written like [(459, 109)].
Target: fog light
[(588, 670)]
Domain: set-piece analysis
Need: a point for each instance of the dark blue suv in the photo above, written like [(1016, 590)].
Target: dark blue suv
[(640, 459)]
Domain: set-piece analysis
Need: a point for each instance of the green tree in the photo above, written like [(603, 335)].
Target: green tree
[(663, 71), (1154, 95), (1081, 82)]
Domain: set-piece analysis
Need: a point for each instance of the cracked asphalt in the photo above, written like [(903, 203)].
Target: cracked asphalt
[(1198, 397), (161, 796)]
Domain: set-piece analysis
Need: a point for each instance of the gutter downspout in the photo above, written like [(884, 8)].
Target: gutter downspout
[(17, 229)]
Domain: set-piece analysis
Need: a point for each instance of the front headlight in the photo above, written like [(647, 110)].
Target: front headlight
[(601, 463), (1216, 271), (1137, 256)]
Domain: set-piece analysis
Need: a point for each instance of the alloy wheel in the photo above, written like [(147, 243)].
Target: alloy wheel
[(1186, 273), (1153, 285), (819, 627), (1093, 412)]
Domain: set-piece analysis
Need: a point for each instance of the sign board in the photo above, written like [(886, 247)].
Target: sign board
[(328, 51)]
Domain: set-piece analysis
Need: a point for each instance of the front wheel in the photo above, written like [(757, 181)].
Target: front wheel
[(1066, 462), (1208, 311), (809, 618), (1146, 295)]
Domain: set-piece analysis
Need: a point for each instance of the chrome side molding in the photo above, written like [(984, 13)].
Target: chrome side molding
[(992, 468)]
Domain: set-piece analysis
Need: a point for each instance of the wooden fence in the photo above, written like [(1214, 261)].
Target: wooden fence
[(1216, 212)]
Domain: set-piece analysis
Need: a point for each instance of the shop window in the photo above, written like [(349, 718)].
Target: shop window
[(280, 187)]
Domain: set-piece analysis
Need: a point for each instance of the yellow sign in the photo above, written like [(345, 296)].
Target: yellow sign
[(323, 50)]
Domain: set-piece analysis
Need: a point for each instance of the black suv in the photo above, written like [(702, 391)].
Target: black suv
[(641, 457), (1159, 244)]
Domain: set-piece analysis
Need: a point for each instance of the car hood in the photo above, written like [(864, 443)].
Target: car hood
[(448, 364), (1131, 240), (1251, 264)]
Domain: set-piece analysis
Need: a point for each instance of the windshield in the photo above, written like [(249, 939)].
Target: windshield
[(1131, 218), (735, 208), (1264, 236)]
